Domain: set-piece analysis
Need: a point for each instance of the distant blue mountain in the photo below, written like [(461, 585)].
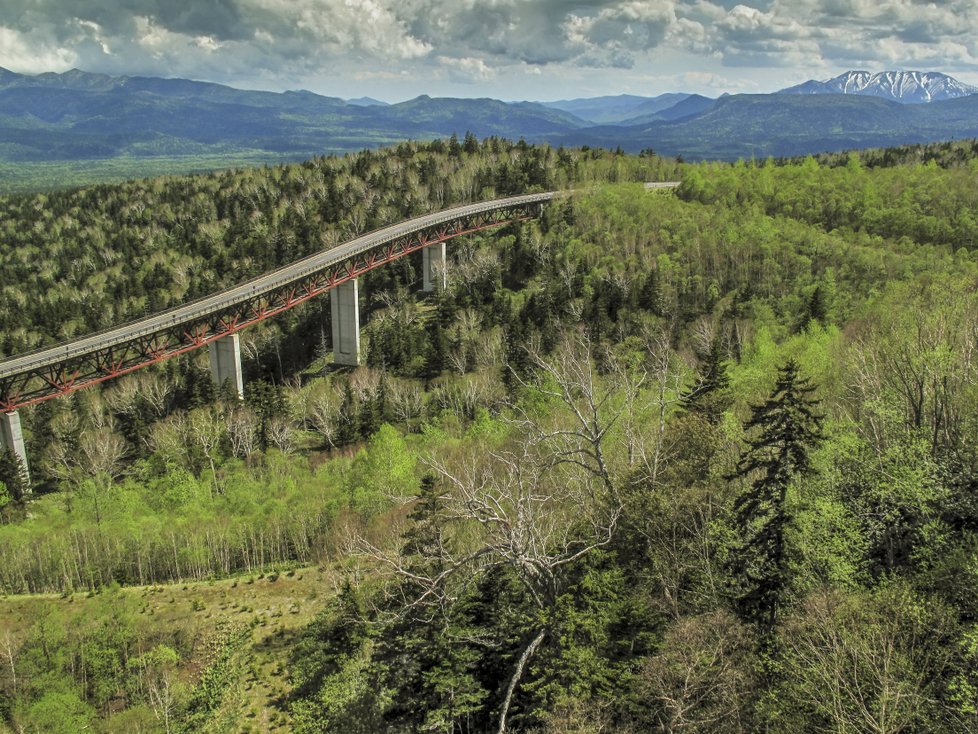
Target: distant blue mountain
[(762, 125), (367, 102), (691, 104), (77, 117), (617, 109)]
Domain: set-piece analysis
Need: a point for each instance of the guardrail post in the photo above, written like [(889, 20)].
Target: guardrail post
[(225, 356), (344, 301), (12, 439), (435, 260)]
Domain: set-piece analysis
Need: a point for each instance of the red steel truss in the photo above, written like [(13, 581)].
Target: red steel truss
[(62, 376)]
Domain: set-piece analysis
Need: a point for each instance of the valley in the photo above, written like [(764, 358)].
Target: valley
[(547, 493)]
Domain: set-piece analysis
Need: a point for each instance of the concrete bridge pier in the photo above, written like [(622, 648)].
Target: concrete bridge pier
[(225, 356), (434, 269), (12, 439), (344, 301)]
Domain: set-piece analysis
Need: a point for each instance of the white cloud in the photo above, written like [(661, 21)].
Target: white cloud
[(290, 43), (467, 70), (709, 80), (21, 53)]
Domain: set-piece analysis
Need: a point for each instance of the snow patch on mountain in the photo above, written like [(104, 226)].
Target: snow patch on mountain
[(911, 87)]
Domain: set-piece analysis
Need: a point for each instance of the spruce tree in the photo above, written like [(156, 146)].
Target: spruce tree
[(818, 307), (650, 297), (710, 396), (428, 662), (13, 475), (789, 427)]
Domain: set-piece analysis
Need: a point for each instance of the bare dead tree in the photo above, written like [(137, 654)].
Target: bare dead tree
[(170, 438), (155, 390), (207, 429), (10, 651), (365, 383), (406, 400), (322, 414), (489, 349), (701, 675), (123, 397), (666, 383), (242, 426), (281, 434), (65, 425), (539, 503), (457, 358), (102, 452), (96, 410)]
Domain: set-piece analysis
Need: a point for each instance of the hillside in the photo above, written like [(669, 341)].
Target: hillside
[(148, 125), (746, 126), (616, 109), (699, 456), (57, 130), (222, 646)]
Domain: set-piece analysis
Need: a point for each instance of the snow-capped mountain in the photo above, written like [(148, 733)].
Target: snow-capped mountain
[(903, 86)]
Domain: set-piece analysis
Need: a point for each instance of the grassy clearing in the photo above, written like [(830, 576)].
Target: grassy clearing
[(275, 606)]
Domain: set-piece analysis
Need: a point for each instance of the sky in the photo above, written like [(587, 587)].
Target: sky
[(507, 49)]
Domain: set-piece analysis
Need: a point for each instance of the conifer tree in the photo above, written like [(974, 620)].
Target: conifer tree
[(517, 335), (818, 307), (650, 296), (436, 352), (710, 395), (789, 428), (427, 662), (13, 475)]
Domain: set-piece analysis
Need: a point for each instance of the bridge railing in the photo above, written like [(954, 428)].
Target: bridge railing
[(259, 285)]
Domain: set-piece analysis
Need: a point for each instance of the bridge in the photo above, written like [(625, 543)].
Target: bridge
[(214, 321)]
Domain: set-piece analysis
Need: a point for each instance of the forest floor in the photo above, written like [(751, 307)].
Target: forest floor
[(276, 606)]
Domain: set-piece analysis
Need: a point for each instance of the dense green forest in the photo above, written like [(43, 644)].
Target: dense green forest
[(700, 461)]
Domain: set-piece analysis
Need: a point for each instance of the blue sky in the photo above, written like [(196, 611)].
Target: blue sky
[(509, 49)]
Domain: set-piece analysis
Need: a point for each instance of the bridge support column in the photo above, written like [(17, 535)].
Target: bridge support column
[(12, 439), (225, 356), (345, 304), (435, 260)]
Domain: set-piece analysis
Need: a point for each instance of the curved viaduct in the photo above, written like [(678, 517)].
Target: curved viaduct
[(215, 320)]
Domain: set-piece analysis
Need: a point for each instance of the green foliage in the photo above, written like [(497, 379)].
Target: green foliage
[(382, 472), (709, 396), (60, 710), (591, 655), (778, 457), (217, 676), (868, 657), (855, 552), (11, 476)]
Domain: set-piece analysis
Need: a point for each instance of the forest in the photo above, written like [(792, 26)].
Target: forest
[(690, 461)]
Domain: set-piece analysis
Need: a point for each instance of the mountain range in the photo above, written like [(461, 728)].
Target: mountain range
[(909, 87), (76, 118)]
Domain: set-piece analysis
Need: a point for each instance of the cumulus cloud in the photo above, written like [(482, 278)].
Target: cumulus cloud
[(467, 70), (833, 33), (499, 32), (21, 53), (478, 41), (617, 34), (716, 82)]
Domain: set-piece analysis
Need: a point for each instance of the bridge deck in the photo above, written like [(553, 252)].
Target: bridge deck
[(249, 289)]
